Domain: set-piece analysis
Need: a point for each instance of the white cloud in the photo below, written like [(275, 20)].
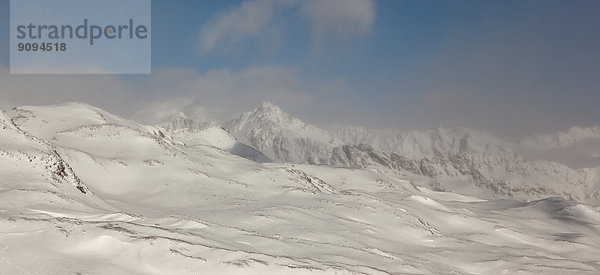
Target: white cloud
[(219, 94), (102, 90), (339, 19), (252, 19), (260, 20), (160, 110), (215, 94)]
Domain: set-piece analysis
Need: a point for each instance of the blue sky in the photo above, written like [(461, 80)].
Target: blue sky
[(509, 67)]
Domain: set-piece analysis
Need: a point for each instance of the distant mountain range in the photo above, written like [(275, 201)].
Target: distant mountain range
[(462, 160), (458, 160)]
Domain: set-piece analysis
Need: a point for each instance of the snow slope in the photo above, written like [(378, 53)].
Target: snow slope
[(217, 137), (34, 171), (158, 205)]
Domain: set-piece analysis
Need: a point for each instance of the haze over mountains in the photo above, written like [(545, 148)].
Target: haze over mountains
[(85, 191), (458, 159)]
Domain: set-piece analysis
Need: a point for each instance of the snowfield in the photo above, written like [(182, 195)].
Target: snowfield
[(85, 192)]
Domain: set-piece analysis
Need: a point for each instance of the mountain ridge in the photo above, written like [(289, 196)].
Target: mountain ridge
[(458, 159), (444, 155)]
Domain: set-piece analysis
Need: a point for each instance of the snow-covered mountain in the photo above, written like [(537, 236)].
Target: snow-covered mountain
[(34, 170), (282, 137), (85, 192), (182, 121), (462, 160)]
